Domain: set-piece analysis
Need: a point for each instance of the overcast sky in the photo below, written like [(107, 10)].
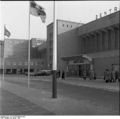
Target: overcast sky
[(14, 15)]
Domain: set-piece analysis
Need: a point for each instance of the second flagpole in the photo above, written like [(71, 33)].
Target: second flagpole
[(4, 55), (54, 82), (29, 47)]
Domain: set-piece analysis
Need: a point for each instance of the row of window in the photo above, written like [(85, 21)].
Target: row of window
[(66, 25), (21, 63), (14, 42)]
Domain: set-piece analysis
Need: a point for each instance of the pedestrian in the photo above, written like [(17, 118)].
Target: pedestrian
[(107, 75), (94, 76), (112, 76), (116, 75), (59, 73), (84, 75), (91, 74), (63, 75)]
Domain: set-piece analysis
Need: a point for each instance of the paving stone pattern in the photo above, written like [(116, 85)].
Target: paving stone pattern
[(11, 104)]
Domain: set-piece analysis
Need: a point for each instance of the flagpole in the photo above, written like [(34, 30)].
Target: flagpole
[(54, 82), (4, 55), (29, 47)]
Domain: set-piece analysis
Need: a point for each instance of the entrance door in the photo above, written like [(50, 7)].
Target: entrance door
[(82, 68), (73, 70)]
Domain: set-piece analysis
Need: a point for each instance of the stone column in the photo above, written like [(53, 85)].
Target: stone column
[(96, 42), (115, 30), (118, 37), (105, 39), (101, 47), (87, 42), (112, 38), (92, 43), (84, 49), (83, 45), (109, 39)]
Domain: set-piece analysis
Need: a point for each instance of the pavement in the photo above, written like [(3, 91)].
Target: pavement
[(62, 105), (15, 105), (97, 84)]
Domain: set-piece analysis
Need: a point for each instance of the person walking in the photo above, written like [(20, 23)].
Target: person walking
[(84, 75), (91, 74), (58, 73), (112, 76), (95, 75), (107, 76), (63, 75), (116, 75)]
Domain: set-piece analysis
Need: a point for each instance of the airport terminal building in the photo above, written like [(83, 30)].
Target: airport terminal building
[(81, 47)]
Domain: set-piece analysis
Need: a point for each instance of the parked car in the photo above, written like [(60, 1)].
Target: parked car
[(43, 73), (40, 73)]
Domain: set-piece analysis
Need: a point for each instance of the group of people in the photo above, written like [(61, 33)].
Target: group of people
[(111, 76)]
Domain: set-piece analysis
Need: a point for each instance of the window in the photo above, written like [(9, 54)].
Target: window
[(63, 25), (67, 25), (71, 26)]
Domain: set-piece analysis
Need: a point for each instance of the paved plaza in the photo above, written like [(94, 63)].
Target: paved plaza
[(72, 99), (15, 105)]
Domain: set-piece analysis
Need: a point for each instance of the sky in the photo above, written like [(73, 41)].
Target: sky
[(15, 14)]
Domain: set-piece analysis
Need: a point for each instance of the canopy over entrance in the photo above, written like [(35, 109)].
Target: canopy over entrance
[(81, 59)]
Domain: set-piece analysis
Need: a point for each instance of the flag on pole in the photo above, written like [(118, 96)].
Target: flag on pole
[(37, 10), (6, 32)]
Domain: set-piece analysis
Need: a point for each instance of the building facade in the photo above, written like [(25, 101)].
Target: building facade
[(16, 56), (85, 47), (80, 47), (66, 36)]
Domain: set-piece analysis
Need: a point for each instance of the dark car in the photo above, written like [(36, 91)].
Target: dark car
[(43, 73), (40, 73)]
